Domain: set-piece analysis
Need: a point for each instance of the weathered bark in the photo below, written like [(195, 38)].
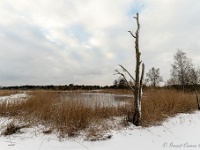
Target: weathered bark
[(138, 79), (197, 97), (141, 81), (137, 90)]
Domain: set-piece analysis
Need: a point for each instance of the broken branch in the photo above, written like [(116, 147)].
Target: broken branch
[(124, 69), (132, 34), (117, 72)]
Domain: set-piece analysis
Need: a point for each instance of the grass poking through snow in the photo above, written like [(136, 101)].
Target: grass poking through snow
[(72, 116), (67, 117)]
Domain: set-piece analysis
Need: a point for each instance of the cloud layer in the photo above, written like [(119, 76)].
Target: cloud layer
[(82, 42)]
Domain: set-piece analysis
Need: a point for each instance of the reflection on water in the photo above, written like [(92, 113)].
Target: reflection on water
[(98, 98)]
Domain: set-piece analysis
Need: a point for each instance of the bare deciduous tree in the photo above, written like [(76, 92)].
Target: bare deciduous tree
[(171, 82), (181, 68), (115, 83), (122, 83), (138, 80), (184, 73), (153, 76)]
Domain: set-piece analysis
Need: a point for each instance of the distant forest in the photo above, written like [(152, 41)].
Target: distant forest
[(88, 87), (54, 87), (61, 87)]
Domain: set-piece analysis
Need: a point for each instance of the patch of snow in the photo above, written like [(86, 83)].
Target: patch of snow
[(180, 132), (13, 98)]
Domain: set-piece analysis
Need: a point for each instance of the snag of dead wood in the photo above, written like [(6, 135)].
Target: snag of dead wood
[(138, 80), (12, 128)]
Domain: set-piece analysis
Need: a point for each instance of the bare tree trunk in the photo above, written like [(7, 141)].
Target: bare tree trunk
[(137, 101), (137, 90), (138, 80), (197, 97)]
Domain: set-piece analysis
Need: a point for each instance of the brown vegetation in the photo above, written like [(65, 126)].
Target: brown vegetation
[(7, 92), (67, 117), (71, 116), (158, 105)]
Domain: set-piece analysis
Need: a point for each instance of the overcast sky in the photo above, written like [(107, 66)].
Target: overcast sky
[(83, 41)]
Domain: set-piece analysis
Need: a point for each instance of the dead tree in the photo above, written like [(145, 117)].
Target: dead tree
[(138, 80), (195, 80), (197, 97)]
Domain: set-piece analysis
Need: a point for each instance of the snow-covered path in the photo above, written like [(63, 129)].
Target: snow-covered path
[(180, 132)]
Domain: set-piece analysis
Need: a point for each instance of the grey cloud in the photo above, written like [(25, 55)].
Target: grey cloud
[(75, 42)]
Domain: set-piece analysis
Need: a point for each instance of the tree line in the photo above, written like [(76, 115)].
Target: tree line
[(55, 87)]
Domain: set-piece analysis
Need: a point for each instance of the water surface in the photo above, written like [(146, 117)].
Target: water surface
[(102, 99)]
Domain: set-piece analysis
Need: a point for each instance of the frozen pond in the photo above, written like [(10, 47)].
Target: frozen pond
[(98, 98)]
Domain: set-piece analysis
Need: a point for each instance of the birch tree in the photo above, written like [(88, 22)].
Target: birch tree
[(139, 75), (153, 76), (181, 68), (184, 73)]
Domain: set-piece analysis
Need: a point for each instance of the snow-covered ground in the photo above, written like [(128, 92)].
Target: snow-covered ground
[(180, 132)]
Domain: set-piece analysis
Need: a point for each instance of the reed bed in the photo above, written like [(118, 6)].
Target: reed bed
[(67, 117), (157, 105), (70, 117), (8, 92)]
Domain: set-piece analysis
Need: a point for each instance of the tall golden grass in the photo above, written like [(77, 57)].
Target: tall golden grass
[(7, 92), (67, 117), (71, 116), (160, 104)]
